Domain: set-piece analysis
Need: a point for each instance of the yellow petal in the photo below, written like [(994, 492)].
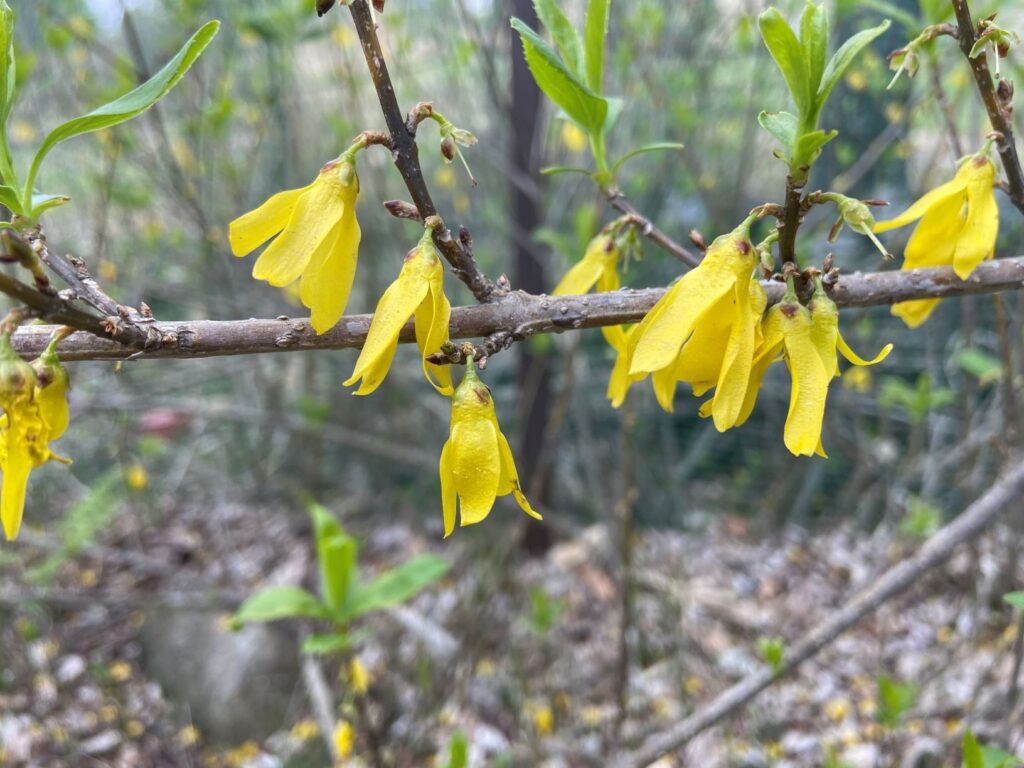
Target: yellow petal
[(584, 274), (509, 480), (432, 319), (316, 212), (734, 378), (664, 383), (699, 362), (251, 230), (937, 196), (448, 495), (852, 356), (767, 352), (671, 321), (476, 468), (978, 238), (16, 469), (825, 332), (809, 387), (395, 307), (53, 408), (327, 280), (913, 313)]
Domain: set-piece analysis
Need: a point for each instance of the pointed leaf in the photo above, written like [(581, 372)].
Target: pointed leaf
[(7, 66), (42, 203), (814, 41), (553, 170), (596, 31), (397, 585), (134, 102), (784, 47), (9, 198), (563, 33), (561, 86), (781, 125), (281, 603), (808, 147), (842, 59), (658, 146)]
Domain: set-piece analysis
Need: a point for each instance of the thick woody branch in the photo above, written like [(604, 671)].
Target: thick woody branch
[(937, 550), (517, 315), (406, 155), (998, 103)]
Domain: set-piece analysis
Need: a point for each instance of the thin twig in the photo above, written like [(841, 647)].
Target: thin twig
[(517, 313), (998, 103), (406, 155), (933, 553), (618, 201)]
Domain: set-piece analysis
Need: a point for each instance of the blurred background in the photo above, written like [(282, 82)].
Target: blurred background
[(191, 479)]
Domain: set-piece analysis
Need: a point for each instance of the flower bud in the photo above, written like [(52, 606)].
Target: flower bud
[(17, 379), (448, 148)]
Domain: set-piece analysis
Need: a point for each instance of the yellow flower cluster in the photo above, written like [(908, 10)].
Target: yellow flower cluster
[(35, 412), (959, 222)]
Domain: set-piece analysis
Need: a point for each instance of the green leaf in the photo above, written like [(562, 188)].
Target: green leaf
[(554, 170), (814, 41), (10, 198), (977, 756), (561, 86), (318, 645), (7, 66), (658, 146), (784, 47), (615, 107), (131, 104), (1016, 599), (563, 33), (595, 32), (781, 125), (458, 751), (337, 553), (842, 59), (281, 603), (894, 700), (911, 22), (972, 752), (808, 147), (42, 203), (981, 365), (397, 585)]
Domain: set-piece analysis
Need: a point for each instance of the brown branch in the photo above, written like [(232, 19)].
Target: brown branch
[(998, 103), (406, 156), (790, 221), (933, 553), (618, 201), (516, 314)]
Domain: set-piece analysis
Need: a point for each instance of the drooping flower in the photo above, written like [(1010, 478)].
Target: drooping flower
[(476, 461), (599, 266), (419, 291), (828, 340), (32, 417), (617, 337), (316, 243), (958, 228), (703, 330)]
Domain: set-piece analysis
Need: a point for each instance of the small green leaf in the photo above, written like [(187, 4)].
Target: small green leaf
[(814, 41), (337, 553), (397, 585), (10, 198), (561, 86), (659, 146), (42, 203), (595, 32), (1016, 599), (131, 104), (781, 125), (317, 645), (281, 603), (563, 33), (773, 651), (7, 65), (842, 59), (554, 170), (808, 147), (458, 751), (981, 365), (894, 700), (784, 47), (972, 752)]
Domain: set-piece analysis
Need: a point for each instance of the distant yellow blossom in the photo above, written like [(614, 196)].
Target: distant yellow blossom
[(359, 676), (573, 138), (419, 291), (476, 461), (958, 228), (599, 266), (316, 240), (344, 738)]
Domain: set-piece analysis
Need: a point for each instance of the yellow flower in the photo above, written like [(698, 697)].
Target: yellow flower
[(344, 738), (597, 267), (419, 291), (618, 337), (703, 330), (32, 417), (317, 240), (959, 225), (476, 461), (359, 676)]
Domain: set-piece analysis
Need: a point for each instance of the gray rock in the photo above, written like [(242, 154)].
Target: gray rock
[(234, 686)]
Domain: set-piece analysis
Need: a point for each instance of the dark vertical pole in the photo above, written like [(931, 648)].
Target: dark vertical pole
[(534, 369)]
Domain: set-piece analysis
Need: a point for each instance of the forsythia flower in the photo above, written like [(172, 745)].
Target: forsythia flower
[(599, 266), (344, 738), (958, 227), (419, 291), (34, 401), (476, 461), (618, 337), (703, 330), (316, 243)]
